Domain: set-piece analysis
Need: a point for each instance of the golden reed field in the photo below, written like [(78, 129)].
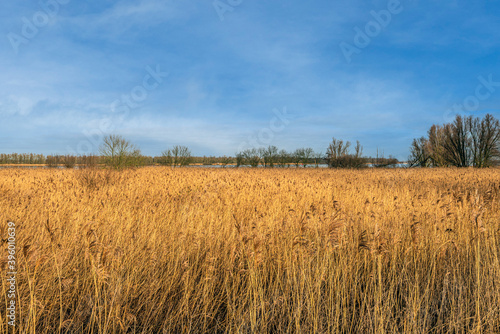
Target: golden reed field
[(193, 250)]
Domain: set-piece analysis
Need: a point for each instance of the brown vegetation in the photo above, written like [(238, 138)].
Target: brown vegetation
[(162, 250), (468, 141)]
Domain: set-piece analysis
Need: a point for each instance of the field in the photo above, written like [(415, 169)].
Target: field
[(189, 250)]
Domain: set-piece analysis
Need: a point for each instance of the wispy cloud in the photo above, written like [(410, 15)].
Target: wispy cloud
[(225, 78)]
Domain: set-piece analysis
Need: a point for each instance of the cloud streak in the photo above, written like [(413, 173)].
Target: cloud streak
[(226, 77)]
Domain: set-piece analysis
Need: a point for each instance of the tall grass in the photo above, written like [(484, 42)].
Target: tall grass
[(161, 250)]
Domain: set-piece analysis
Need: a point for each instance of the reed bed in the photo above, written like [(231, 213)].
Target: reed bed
[(186, 250)]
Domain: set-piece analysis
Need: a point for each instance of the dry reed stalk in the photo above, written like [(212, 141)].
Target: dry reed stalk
[(193, 250)]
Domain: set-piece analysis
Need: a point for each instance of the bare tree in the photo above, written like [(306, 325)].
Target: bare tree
[(88, 161), (317, 156), (52, 161), (119, 153), (308, 155), (435, 149), (337, 149), (465, 142), (262, 153), (176, 156), (251, 157), (338, 155), (298, 156), (457, 144), (485, 139), (283, 158), (269, 155), (239, 159), (224, 161), (419, 153), (167, 158), (69, 161), (358, 150)]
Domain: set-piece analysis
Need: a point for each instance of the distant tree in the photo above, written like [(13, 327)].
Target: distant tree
[(119, 153), (69, 161), (298, 156), (52, 161), (283, 158), (176, 156), (466, 142), (457, 145), (269, 155), (317, 157), (209, 161), (261, 152), (307, 156), (166, 158), (251, 157), (224, 161), (18, 158), (206, 161), (338, 155), (239, 159), (392, 161), (358, 150), (383, 162), (484, 140), (182, 154), (336, 150), (419, 153), (435, 149), (88, 161)]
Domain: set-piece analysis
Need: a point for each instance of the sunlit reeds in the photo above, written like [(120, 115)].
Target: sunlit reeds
[(184, 250)]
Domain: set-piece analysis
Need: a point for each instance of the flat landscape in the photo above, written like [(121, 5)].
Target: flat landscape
[(178, 250)]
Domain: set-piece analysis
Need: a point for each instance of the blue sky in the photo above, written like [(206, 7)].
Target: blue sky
[(235, 74)]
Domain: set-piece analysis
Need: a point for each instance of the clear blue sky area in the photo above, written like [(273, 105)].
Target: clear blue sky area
[(219, 76)]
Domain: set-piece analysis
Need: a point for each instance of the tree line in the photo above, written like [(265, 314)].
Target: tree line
[(337, 155), (40, 159), (22, 158), (117, 152), (466, 142)]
